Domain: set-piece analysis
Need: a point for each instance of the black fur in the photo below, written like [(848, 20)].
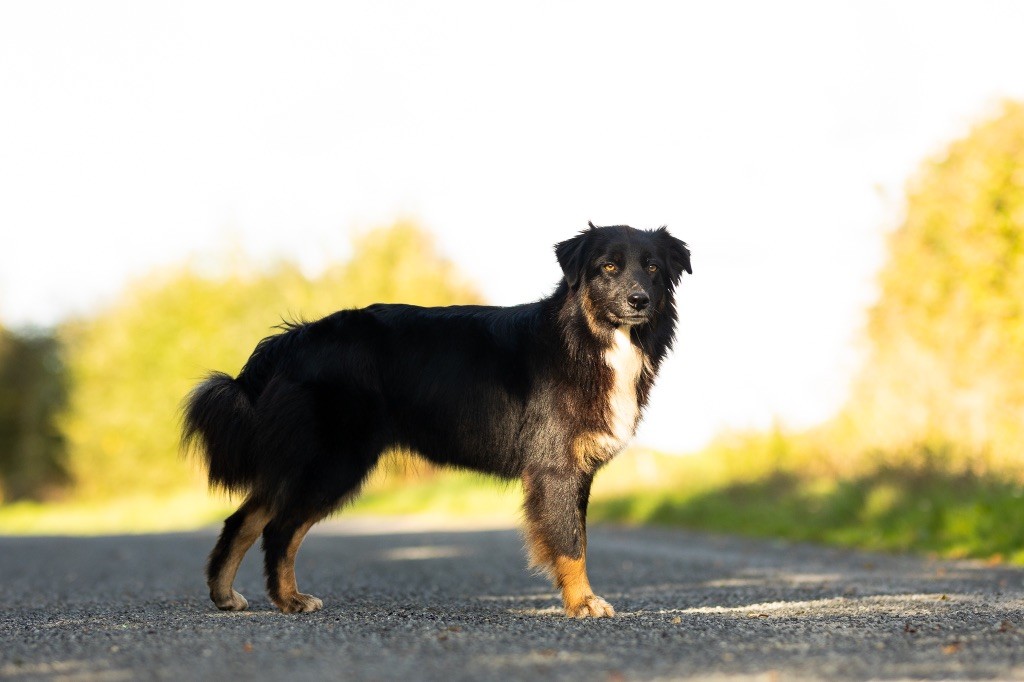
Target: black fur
[(517, 392)]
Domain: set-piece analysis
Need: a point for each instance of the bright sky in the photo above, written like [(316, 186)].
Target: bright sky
[(775, 138)]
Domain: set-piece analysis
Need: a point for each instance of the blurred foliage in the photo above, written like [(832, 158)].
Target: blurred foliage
[(926, 454), (187, 508), (946, 361), (893, 508), (32, 392), (444, 493), (131, 365)]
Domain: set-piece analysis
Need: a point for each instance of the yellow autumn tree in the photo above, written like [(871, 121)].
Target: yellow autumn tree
[(946, 362), (130, 365)]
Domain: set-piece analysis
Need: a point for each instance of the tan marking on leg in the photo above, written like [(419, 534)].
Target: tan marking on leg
[(568, 574), (577, 596), (580, 447), (539, 555), (221, 590), (290, 600), (592, 449), (589, 451), (537, 550)]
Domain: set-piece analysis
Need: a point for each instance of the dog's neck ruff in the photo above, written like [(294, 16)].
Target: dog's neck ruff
[(625, 362)]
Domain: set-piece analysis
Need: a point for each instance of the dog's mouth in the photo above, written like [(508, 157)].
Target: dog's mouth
[(631, 319)]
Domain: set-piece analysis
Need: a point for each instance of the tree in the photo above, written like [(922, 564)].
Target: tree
[(32, 392), (131, 365), (946, 361)]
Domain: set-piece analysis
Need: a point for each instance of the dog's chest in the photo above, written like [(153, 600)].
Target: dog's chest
[(625, 362)]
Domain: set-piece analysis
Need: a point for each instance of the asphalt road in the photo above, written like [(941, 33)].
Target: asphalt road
[(405, 605)]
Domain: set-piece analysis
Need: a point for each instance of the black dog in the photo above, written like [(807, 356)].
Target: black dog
[(546, 392)]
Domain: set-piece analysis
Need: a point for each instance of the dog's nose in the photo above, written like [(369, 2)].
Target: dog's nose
[(639, 301)]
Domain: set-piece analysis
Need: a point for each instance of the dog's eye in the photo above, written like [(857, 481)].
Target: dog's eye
[(610, 267), (652, 268)]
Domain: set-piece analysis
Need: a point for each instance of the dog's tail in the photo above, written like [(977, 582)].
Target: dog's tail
[(218, 420)]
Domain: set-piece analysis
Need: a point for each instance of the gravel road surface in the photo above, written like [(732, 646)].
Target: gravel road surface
[(403, 603)]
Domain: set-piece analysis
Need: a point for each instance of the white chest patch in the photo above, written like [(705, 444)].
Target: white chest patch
[(626, 362)]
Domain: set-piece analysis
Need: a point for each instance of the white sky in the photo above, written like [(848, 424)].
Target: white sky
[(775, 138)]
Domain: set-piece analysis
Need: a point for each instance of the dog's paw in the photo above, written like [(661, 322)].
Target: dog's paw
[(232, 602), (591, 607), (299, 603)]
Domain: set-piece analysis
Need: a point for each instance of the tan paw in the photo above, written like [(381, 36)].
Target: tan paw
[(299, 603), (233, 602), (591, 607)]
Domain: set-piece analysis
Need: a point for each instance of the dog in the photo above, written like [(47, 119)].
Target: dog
[(545, 392)]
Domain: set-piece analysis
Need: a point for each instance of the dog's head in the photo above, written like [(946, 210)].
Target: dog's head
[(627, 275)]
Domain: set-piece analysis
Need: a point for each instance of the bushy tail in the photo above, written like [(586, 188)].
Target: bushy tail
[(218, 422)]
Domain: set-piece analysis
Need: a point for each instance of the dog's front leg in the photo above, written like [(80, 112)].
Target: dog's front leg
[(556, 536)]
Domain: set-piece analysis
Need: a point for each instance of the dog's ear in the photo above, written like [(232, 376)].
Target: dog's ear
[(678, 255), (572, 256)]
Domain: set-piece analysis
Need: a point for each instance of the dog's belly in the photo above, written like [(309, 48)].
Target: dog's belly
[(484, 456), (478, 432)]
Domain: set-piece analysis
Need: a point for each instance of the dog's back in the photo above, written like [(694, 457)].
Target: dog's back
[(450, 383)]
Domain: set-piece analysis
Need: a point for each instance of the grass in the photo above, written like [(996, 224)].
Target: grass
[(758, 488), (142, 514), (451, 495), (892, 509), (397, 489)]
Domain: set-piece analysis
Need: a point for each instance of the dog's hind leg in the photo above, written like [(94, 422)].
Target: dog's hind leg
[(332, 437), (281, 540), (240, 530), (556, 537), (285, 532)]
